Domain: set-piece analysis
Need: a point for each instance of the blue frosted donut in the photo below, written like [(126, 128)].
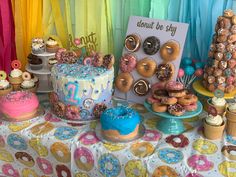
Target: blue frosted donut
[(164, 155), (230, 139), (109, 159), (16, 142), (64, 133)]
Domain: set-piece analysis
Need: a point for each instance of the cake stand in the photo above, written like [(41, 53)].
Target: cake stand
[(170, 124)]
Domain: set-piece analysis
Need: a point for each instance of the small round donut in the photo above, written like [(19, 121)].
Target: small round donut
[(124, 82), (57, 148), (177, 93), (164, 155), (6, 156), (165, 71), (177, 141), (25, 159), (146, 67), (230, 48), (142, 149), (151, 45), (151, 135), (223, 32), (97, 59), (16, 142), (164, 171), (231, 38), (217, 72), (170, 51), (89, 138), (221, 38), (158, 86), (228, 13), (3, 75), (88, 61), (62, 171), (176, 110), (108, 61), (233, 19), (132, 42), (173, 85), (220, 47), (229, 88), (188, 100), (72, 112), (191, 107), (205, 166), (26, 172), (141, 87), (65, 133), (26, 76), (233, 29), (44, 165), (211, 79), (152, 100), (204, 146), (84, 158), (224, 23), (8, 170), (226, 150), (16, 64), (128, 63), (218, 56), (158, 107), (109, 165), (134, 167), (169, 100), (42, 128), (59, 109), (37, 145)]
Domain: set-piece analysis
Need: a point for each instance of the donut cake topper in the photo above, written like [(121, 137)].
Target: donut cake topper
[(3, 75), (16, 64), (219, 93), (152, 52)]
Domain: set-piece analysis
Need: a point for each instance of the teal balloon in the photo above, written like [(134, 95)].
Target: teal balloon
[(186, 61), (189, 70), (199, 65)]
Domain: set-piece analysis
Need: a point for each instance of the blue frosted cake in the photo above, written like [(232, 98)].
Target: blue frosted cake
[(81, 91), (120, 123)]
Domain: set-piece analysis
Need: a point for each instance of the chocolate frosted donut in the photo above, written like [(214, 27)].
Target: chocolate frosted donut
[(141, 87), (226, 150), (151, 45), (108, 61), (25, 158), (165, 71), (132, 42)]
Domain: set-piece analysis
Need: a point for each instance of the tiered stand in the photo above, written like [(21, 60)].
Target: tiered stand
[(43, 74)]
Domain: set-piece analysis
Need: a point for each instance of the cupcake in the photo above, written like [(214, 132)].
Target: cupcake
[(52, 45), (218, 103), (231, 119), (35, 62), (213, 127), (38, 46), (35, 79), (28, 84), (15, 79), (5, 86), (51, 62)]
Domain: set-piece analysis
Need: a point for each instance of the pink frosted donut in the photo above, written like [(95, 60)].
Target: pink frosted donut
[(191, 107), (87, 61), (128, 63), (193, 175), (49, 117), (44, 165), (58, 53), (151, 135), (8, 170), (193, 163), (84, 153), (152, 100), (158, 86), (89, 138), (173, 85), (72, 112)]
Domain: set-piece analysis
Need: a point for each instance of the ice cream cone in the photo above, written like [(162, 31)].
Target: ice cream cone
[(220, 109), (6, 91), (231, 123), (213, 132)]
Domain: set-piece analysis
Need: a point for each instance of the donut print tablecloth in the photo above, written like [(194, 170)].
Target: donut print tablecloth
[(47, 146)]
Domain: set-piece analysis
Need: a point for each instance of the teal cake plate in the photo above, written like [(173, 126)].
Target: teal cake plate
[(170, 124)]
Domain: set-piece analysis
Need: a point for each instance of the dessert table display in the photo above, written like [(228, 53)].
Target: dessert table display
[(50, 146)]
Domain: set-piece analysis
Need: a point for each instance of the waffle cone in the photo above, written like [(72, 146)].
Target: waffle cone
[(213, 132)]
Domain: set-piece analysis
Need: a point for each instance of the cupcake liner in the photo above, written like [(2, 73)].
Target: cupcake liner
[(16, 87), (220, 109), (15, 80), (213, 132), (52, 49), (6, 91), (33, 89), (231, 123)]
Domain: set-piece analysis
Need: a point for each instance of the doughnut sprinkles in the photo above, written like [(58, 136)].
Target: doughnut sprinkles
[(183, 141), (165, 71), (193, 163), (176, 158), (8, 170), (128, 63), (132, 42), (199, 145), (87, 154), (164, 171), (21, 156), (135, 165), (6, 156), (151, 45), (44, 165), (64, 133), (62, 169), (16, 142), (88, 138), (60, 147)]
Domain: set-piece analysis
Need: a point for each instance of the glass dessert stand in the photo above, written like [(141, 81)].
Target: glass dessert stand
[(170, 124)]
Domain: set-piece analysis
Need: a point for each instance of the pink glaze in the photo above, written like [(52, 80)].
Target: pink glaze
[(230, 80), (18, 103), (173, 85), (158, 86), (191, 107), (152, 100), (127, 63)]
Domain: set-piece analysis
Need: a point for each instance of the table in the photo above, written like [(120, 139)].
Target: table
[(55, 148)]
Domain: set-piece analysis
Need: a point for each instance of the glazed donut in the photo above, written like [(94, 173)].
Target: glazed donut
[(16, 142), (108, 61), (220, 80), (191, 107), (26, 172), (36, 144), (142, 149), (218, 56), (44, 165), (65, 133), (165, 71), (88, 138), (128, 63), (211, 79), (146, 67), (229, 88), (8, 170), (211, 87), (25, 159), (231, 47), (114, 168), (84, 153), (212, 47), (151, 135), (16, 64), (222, 38), (152, 100), (164, 155), (168, 100), (170, 51), (182, 141), (124, 82), (141, 87), (223, 65), (59, 147), (42, 128), (231, 38), (62, 171), (137, 166), (132, 42), (6, 156), (228, 13), (226, 150), (188, 100), (204, 146), (26, 76), (72, 112), (176, 110), (233, 29), (151, 45), (158, 107), (164, 171), (193, 163), (97, 59), (209, 70), (217, 72)]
